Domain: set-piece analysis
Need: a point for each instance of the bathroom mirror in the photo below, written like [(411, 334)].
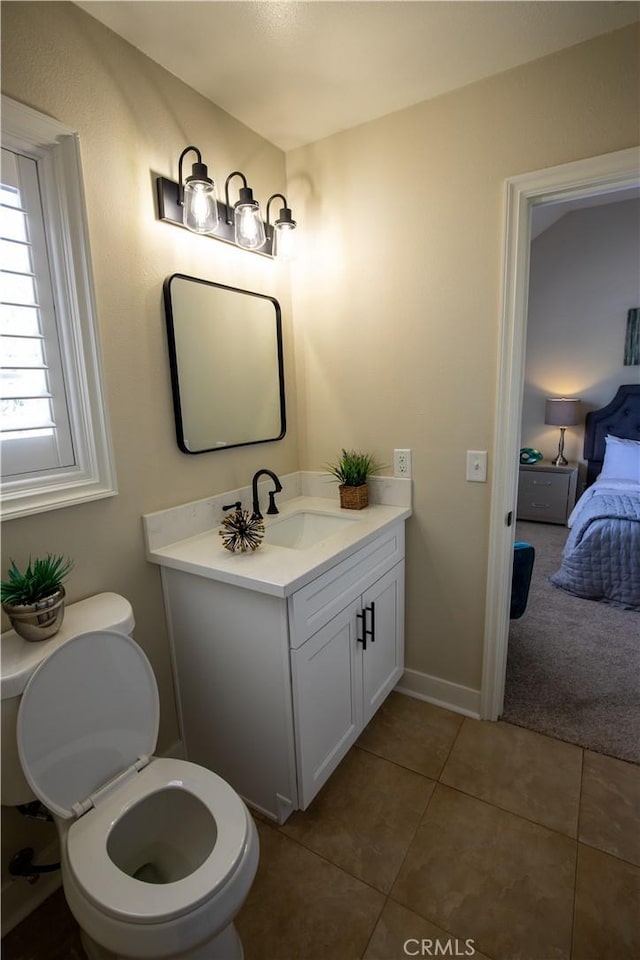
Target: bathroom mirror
[(225, 353)]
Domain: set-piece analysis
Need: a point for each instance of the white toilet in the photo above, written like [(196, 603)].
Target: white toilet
[(157, 855)]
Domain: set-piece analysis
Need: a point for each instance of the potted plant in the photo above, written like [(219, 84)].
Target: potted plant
[(33, 599), (352, 470)]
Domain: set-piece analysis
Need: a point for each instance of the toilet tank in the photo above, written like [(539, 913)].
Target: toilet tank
[(19, 659)]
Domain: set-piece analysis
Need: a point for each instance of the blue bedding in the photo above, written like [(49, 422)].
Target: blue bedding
[(601, 558)]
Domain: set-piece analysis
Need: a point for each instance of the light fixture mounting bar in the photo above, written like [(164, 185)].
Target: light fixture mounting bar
[(170, 210)]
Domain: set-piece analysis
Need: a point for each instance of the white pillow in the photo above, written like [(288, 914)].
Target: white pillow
[(621, 459)]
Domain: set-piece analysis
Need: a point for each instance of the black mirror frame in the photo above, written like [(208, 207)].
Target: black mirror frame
[(173, 363)]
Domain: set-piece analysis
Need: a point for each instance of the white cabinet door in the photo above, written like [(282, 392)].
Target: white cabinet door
[(339, 681), (383, 656), (327, 700)]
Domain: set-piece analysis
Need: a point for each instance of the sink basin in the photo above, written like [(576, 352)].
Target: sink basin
[(303, 530)]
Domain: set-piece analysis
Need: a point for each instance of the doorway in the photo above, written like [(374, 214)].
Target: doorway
[(583, 178)]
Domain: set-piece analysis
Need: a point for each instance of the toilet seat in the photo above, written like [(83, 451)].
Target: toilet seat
[(87, 723), (89, 712), (126, 898)]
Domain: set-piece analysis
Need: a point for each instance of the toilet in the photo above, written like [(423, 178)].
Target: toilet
[(157, 855)]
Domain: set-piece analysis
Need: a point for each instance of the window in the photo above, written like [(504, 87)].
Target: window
[(35, 428), (54, 439)]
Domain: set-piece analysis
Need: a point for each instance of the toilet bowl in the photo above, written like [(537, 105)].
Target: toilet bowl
[(157, 855)]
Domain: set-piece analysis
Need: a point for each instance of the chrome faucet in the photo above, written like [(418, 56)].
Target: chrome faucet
[(272, 504)]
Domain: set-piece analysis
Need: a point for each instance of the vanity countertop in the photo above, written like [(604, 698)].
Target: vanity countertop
[(278, 570)]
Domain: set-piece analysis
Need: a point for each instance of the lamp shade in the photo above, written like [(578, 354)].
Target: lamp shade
[(200, 210), (562, 412)]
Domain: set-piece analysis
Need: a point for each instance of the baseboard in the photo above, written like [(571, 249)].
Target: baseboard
[(442, 693)]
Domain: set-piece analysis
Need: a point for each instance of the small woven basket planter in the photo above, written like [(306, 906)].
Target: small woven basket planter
[(354, 498)]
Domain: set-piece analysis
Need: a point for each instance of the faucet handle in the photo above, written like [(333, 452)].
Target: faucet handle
[(233, 506), (272, 502)]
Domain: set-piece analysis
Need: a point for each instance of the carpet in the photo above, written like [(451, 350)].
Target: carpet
[(573, 665)]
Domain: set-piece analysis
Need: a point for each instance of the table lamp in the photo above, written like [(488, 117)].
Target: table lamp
[(561, 412)]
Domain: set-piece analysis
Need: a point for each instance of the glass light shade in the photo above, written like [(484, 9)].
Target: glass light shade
[(249, 228), (200, 210), (284, 241)]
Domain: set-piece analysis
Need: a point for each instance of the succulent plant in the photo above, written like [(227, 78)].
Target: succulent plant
[(42, 577), (352, 468)]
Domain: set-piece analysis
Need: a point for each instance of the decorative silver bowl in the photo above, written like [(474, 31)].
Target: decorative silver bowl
[(37, 621)]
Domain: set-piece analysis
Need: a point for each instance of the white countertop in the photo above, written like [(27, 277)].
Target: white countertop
[(271, 569)]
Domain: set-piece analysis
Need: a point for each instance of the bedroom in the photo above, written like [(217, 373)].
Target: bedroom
[(571, 660)]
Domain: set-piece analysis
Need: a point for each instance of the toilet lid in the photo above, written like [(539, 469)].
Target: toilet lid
[(89, 711)]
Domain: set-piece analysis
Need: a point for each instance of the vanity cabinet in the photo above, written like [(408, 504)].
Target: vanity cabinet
[(342, 674), (273, 690)]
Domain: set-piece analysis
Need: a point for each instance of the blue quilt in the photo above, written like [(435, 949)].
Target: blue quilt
[(601, 558)]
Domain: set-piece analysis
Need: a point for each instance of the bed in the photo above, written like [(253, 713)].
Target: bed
[(601, 558)]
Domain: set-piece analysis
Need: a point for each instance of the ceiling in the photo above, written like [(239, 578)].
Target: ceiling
[(544, 215), (295, 72)]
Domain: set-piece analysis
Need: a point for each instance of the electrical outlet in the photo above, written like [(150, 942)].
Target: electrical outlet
[(402, 463)]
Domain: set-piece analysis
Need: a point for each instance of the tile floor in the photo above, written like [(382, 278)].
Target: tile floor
[(434, 831)]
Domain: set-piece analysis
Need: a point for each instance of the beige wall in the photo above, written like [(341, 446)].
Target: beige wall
[(397, 301), (133, 119), (584, 279)]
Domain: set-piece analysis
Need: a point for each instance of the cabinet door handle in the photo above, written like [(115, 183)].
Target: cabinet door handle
[(363, 639), (542, 483), (372, 632)]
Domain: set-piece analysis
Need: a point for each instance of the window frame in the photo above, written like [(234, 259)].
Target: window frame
[(56, 149)]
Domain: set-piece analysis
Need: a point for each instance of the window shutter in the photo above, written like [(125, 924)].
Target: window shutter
[(34, 426)]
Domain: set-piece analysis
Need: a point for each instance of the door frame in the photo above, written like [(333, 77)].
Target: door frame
[(582, 178)]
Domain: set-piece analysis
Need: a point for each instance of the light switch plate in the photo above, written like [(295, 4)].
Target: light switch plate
[(477, 465)]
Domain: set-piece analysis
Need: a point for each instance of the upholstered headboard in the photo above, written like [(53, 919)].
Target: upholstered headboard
[(620, 418)]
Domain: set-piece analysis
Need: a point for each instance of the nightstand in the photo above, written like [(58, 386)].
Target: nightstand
[(546, 493)]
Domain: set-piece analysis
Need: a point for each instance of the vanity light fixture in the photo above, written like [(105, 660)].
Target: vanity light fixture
[(248, 226), (283, 230), (197, 194), (192, 203)]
